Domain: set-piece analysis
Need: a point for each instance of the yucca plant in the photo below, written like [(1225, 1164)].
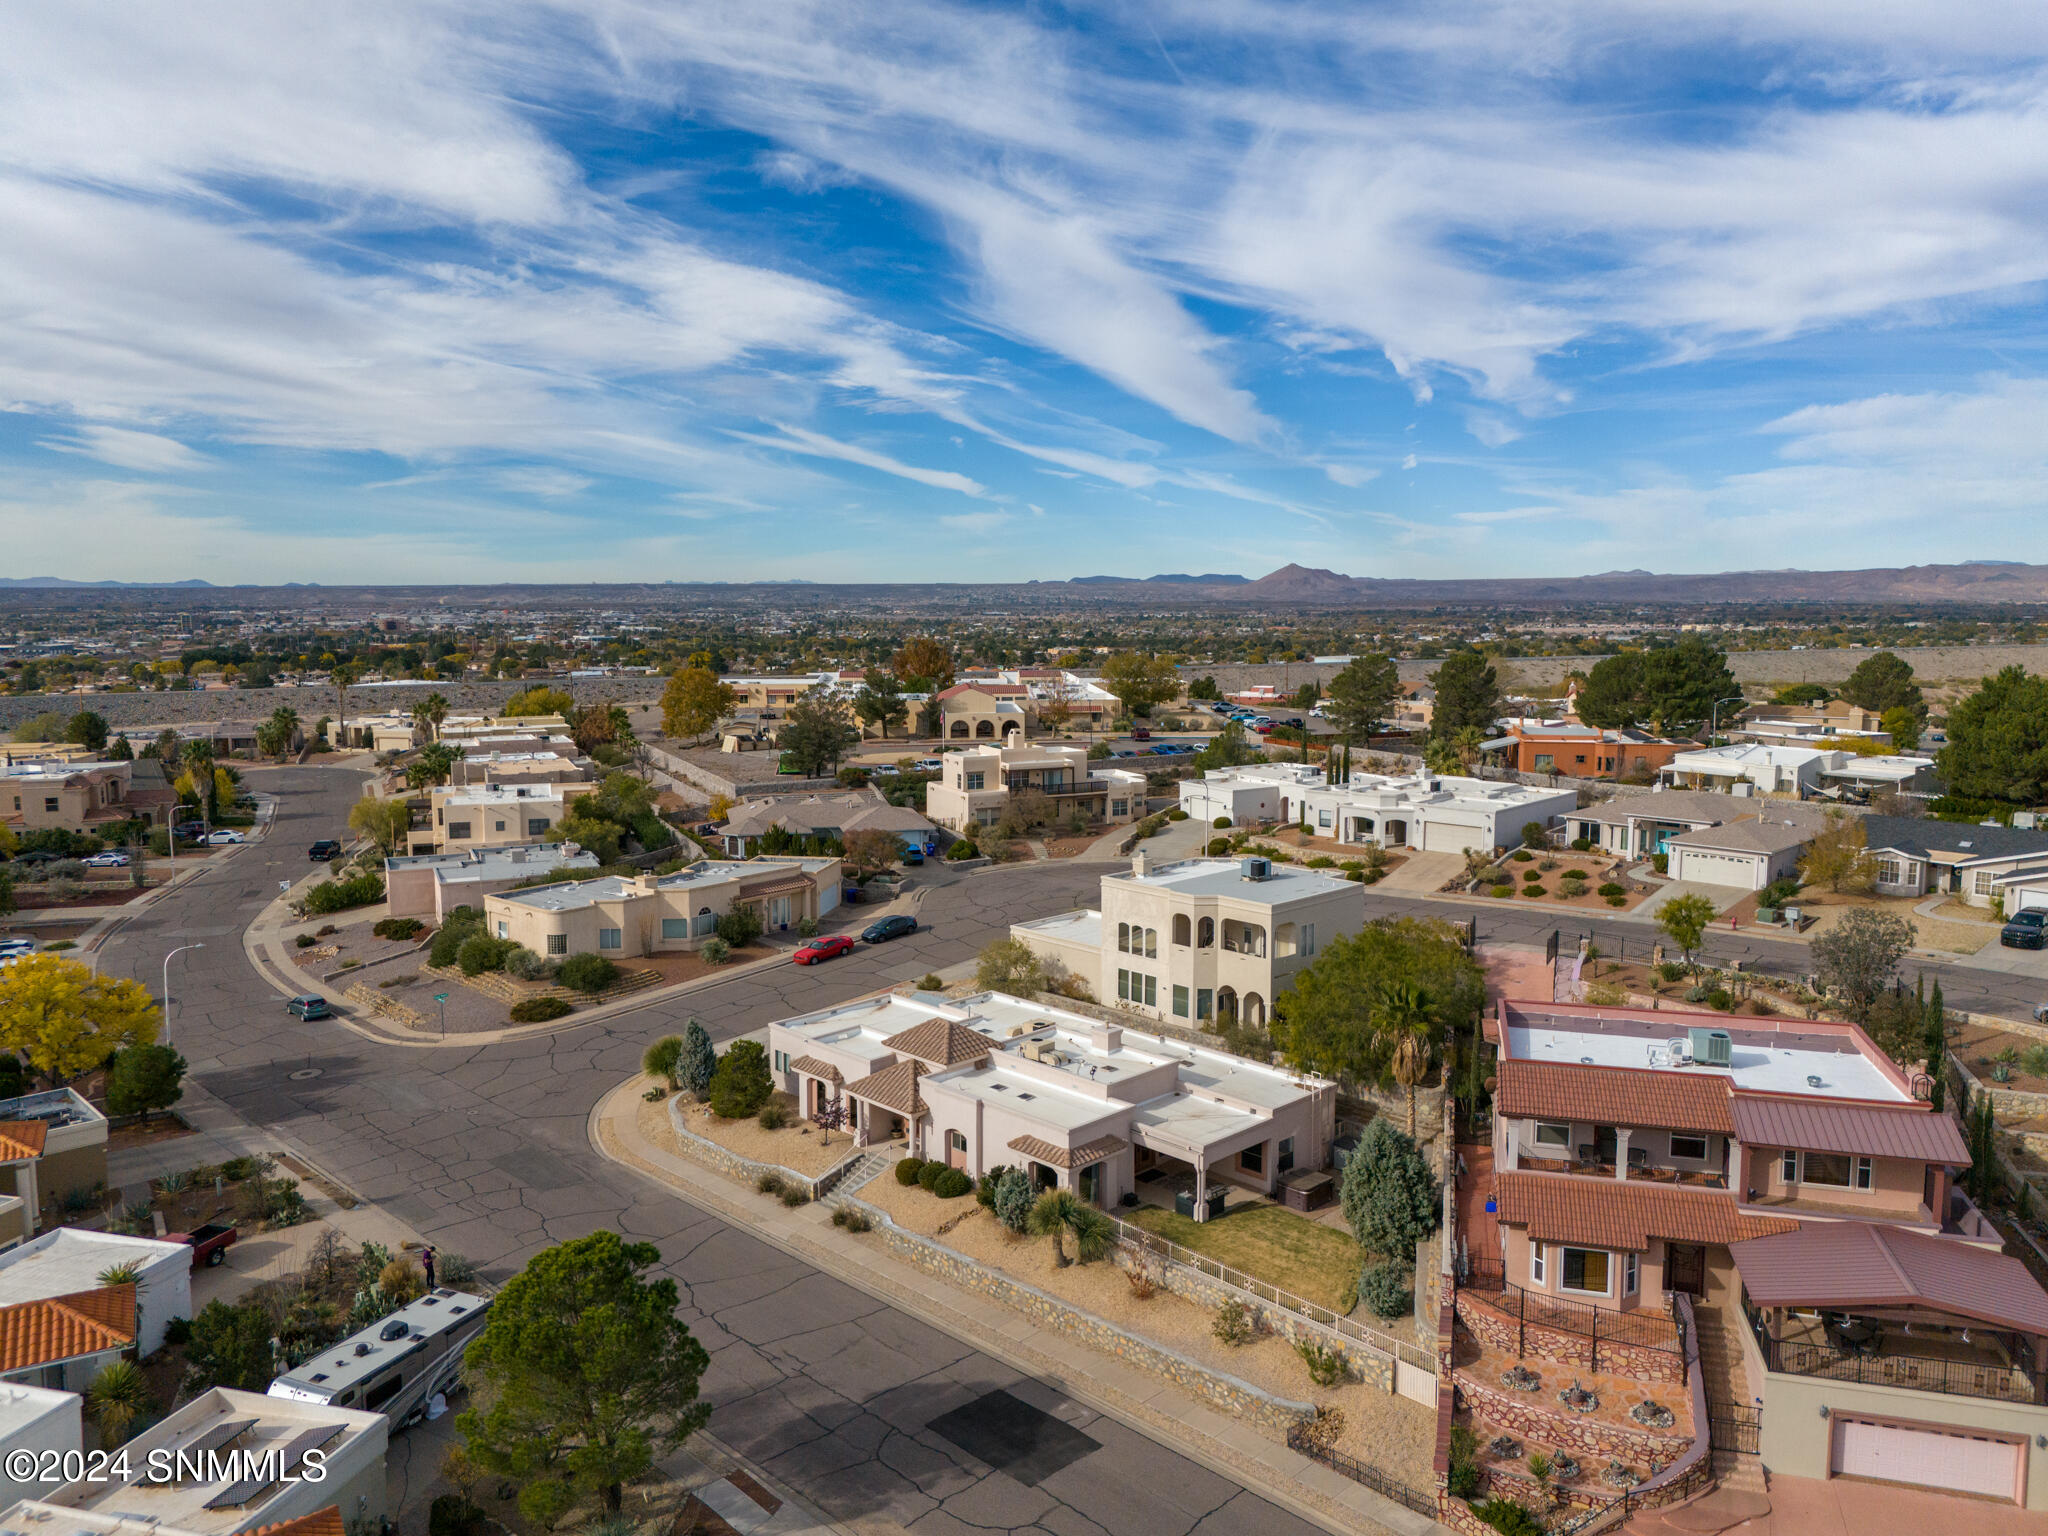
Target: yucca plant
[(1060, 1211), (118, 1397)]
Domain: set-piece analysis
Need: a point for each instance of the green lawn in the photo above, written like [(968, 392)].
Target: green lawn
[(1316, 1262)]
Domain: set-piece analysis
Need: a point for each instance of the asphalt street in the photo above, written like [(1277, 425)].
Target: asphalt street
[(484, 1150)]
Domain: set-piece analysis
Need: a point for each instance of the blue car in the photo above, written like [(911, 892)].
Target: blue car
[(895, 926)]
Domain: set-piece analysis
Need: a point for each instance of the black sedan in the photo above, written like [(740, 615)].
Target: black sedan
[(894, 926)]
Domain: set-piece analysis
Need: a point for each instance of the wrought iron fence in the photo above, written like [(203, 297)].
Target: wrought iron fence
[(1363, 1473), (1598, 1325), (1735, 1427), (1697, 1478), (1323, 1317), (2014, 1383)]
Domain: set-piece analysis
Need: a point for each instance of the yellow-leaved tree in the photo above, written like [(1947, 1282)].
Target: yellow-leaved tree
[(63, 1021)]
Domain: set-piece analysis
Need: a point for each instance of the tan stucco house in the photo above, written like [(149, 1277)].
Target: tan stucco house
[(975, 785), (621, 917)]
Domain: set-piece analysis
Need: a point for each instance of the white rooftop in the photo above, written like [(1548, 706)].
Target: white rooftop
[(65, 1261), (505, 860), (1776, 1061), (1226, 877), (1741, 755), (1193, 1121), (503, 794), (21, 1407), (1888, 768), (1384, 791), (1082, 926)]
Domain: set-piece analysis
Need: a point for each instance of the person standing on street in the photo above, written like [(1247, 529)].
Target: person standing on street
[(427, 1263)]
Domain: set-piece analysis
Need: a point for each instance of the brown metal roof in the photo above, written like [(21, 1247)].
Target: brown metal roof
[(1850, 1264), (811, 1066), (942, 1042), (1612, 1213), (894, 1088), (1816, 1125), (1062, 1157), (1556, 1090)]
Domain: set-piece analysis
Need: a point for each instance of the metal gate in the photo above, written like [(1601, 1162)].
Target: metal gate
[(1735, 1427)]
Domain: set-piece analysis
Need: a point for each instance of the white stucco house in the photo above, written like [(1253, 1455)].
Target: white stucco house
[(1749, 767)]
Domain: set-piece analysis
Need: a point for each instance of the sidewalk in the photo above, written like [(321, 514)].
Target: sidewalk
[(1137, 1398)]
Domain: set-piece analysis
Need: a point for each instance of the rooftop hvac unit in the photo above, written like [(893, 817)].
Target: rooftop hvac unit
[(1712, 1047), (1256, 868), (1680, 1050), (2023, 820)]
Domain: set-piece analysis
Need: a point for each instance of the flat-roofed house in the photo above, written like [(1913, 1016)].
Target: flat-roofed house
[(469, 816), (52, 1143), (975, 786), (622, 917), (431, 885), (1098, 1108)]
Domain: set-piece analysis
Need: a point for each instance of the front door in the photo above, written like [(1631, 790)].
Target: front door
[(1091, 1183), (1685, 1269)]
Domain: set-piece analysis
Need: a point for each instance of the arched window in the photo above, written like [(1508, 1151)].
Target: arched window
[(1151, 943), (1182, 928), (1205, 933), (957, 728), (1123, 938), (985, 728)]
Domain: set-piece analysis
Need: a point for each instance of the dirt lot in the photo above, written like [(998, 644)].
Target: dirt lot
[(1960, 938), (1979, 1049), (799, 1146), (1385, 1429)]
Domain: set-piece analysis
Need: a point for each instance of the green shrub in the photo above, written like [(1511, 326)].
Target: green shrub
[(399, 928), (1218, 847), (985, 1186), (929, 1175), (1508, 1517), (1617, 900), (1013, 1199), (739, 926), (741, 1085), (908, 1169), (480, 952), (1321, 861), (304, 940), (1384, 1288), (952, 1184), (1221, 823), (1176, 814), (1236, 1324), (1573, 874), (524, 965), (1662, 863), (1503, 889), (452, 1515), (715, 951), (455, 927), (963, 849), (1326, 1364), (1521, 856), (538, 1010), (1582, 845), (587, 973), (340, 895), (773, 1116), (1609, 888)]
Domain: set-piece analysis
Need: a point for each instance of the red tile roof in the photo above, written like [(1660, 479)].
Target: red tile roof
[(1815, 1125), (812, 1066), (22, 1138), (942, 1042), (1853, 1264), (1676, 1101), (36, 1333), (1612, 1213), (894, 1088), (322, 1522), (1063, 1157)]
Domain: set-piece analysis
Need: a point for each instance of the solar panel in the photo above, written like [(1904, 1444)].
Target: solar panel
[(288, 1456), (216, 1437)]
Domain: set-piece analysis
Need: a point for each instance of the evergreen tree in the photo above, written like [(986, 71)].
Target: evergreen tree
[(698, 1061), (1937, 1047), (1467, 695), (1362, 696)]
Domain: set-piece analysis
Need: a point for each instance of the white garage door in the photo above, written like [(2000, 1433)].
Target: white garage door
[(1448, 837), (1928, 1458), (1697, 864)]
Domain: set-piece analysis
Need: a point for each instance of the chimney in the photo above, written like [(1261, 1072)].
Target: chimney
[(647, 883), (1106, 1037), (1141, 862)]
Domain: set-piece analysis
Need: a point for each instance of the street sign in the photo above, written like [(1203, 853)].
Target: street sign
[(440, 997)]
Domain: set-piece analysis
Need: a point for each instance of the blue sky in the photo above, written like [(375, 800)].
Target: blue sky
[(895, 290)]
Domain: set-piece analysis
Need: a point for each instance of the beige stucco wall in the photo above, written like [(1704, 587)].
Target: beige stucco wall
[(1899, 1186), (1798, 1441)]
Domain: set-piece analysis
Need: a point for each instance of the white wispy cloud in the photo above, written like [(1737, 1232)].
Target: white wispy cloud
[(550, 484), (126, 448), (816, 444)]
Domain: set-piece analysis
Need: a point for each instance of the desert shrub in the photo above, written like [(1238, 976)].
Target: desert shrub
[(538, 1010), (455, 927), (1236, 1324), (1522, 856), (480, 952), (1582, 845), (341, 895), (587, 973), (401, 1281), (1384, 1288), (1013, 1199), (929, 1175), (1671, 971), (985, 1186), (741, 1085), (768, 1183), (1221, 823), (305, 940), (1617, 900), (1609, 888), (1321, 861), (1218, 847), (739, 926), (908, 1169), (715, 950), (773, 1116), (1508, 1517), (952, 1184), (399, 928), (1606, 994), (523, 964), (794, 1195), (931, 981), (1326, 1363), (1503, 889)]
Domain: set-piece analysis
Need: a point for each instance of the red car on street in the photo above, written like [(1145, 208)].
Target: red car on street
[(824, 949)]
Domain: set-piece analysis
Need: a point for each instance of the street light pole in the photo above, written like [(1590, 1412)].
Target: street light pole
[(1714, 714), (166, 994)]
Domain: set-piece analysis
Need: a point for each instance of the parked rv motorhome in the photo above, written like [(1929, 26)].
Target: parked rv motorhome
[(394, 1367)]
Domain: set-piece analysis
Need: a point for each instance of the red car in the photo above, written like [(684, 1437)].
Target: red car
[(823, 949)]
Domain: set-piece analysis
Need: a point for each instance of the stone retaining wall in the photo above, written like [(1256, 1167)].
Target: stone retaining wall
[(744, 1170), (1539, 1417), (1499, 1331), (1240, 1399)]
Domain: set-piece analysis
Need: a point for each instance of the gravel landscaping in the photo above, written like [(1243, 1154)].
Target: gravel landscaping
[(799, 1146), (1384, 1429)]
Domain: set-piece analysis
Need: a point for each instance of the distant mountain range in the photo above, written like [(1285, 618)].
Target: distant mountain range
[(1212, 580), (59, 581)]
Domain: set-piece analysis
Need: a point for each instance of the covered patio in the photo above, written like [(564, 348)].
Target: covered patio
[(1180, 1144), (1856, 1301)]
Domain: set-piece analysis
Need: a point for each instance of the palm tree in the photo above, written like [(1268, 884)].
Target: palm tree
[(1402, 1020), (118, 1396), (344, 676), (1060, 1211), (436, 707)]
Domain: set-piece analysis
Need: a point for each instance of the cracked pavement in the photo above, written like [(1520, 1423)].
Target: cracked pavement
[(484, 1150)]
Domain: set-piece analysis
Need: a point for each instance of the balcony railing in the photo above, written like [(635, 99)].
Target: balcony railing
[(2018, 1381)]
